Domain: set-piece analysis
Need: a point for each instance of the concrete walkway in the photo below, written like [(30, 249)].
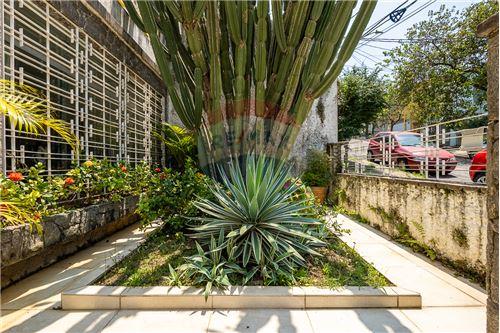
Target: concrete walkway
[(449, 304)]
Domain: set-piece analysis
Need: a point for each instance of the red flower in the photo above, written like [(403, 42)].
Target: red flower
[(157, 170), (15, 176), (69, 181), (124, 168), (38, 216)]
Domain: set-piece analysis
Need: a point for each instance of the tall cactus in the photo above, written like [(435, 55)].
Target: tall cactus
[(244, 74)]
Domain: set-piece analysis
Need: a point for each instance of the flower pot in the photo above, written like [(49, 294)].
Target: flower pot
[(319, 193)]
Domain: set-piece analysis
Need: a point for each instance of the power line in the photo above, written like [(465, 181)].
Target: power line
[(369, 56), (389, 28), (378, 47), (385, 19)]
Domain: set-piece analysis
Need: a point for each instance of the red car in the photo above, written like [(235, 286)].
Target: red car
[(408, 152), (477, 170)]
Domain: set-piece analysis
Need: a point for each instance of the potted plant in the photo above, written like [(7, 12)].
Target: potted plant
[(317, 174)]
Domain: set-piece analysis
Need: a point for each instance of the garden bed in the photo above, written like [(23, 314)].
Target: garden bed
[(148, 265), (341, 278)]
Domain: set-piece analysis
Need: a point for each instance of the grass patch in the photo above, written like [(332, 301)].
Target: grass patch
[(148, 265)]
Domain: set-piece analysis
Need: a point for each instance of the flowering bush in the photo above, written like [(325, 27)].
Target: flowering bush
[(172, 194), (35, 196)]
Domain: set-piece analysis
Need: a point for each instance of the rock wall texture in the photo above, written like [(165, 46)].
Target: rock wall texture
[(319, 129), (489, 29), (24, 251), (451, 219)]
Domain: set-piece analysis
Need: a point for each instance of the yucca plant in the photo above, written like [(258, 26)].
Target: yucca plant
[(244, 74), (263, 229)]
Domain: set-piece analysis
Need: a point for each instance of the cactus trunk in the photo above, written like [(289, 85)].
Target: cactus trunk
[(244, 74)]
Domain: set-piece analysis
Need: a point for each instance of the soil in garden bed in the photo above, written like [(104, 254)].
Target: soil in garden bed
[(148, 265)]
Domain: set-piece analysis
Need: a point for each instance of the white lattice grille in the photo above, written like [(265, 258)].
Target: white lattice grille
[(111, 109)]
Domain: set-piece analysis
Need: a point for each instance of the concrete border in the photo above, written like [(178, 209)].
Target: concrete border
[(237, 297)]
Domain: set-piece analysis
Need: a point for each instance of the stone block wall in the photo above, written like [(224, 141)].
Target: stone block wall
[(449, 218), (24, 251), (489, 29)]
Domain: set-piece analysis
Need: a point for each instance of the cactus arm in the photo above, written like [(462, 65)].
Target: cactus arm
[(173, 8), (299, 16), (227, 69), (347, 47), (260, 58), (198, 10), (331, 7), (186, 11), (198, 97), (279, 27), (214, 50), (150, 28), (249, 70), (302, 54), (132, 13), (321, 57), (233, 21)]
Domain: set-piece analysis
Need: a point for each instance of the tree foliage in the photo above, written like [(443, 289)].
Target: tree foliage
[(361, 99), (441, 71)]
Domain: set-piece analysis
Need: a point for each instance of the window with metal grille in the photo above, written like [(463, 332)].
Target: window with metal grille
[(112, 110)]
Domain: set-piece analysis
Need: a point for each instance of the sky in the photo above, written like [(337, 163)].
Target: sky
[(372, 53)]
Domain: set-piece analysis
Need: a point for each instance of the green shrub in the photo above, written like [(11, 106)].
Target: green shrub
[(317, 169), (27, 196), (180, 144), (171, 197)]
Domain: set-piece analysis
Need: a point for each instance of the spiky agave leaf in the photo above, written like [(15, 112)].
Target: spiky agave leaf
[(254, 211)]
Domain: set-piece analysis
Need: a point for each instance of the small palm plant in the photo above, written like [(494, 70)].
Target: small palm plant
[(27, 110), (263, 228)]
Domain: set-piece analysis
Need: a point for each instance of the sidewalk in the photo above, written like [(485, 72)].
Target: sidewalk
[(449, 305)]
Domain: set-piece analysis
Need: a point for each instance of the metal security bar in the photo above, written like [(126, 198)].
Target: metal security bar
[(452, 151), (112, 110)]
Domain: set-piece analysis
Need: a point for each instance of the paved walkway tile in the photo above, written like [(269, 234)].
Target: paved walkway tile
[(260, 320), (42, 289), (360, 321), (130, 321), (449, 304), (408, 270), (55, 321), (449, 319)]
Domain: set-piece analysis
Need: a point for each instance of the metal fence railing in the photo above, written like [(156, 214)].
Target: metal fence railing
[(452, 151)]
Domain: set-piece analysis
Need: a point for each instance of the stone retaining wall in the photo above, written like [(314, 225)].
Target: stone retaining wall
[(24, 251), (451, 219)]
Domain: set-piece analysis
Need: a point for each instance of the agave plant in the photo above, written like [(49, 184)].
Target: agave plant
[(244, 74), (207, 268), (263, 229)]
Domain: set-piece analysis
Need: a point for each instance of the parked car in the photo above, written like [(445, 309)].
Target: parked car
[(406, 150), (477, 170), (467, 142)]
